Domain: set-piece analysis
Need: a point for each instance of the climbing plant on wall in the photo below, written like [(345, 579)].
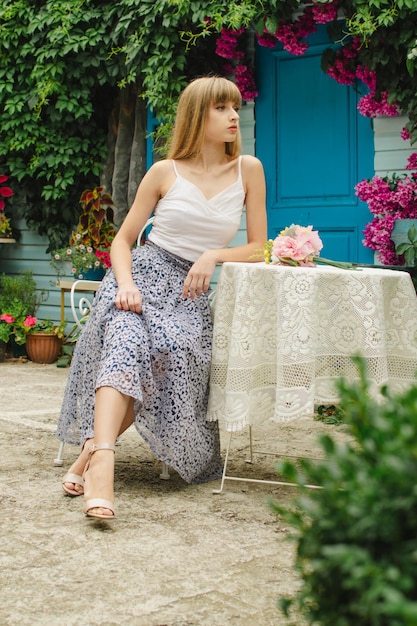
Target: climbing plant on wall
[(76, 77)]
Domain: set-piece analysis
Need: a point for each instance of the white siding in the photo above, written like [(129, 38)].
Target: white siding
[(29, 253), (391, 152)]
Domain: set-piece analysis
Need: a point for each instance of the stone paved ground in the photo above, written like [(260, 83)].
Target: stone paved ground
[(177, 555)]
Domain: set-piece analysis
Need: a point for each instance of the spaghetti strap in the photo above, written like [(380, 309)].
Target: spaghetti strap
[(175, 168), (240, 167)]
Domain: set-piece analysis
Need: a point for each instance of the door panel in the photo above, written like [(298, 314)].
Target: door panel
[(315, 147)]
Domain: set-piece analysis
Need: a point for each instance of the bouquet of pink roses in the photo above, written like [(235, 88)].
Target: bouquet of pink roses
[(298, 246)]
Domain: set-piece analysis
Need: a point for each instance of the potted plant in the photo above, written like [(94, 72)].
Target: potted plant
[(19, 298), (12, 318), (7, 329), (89, 244), (5, 224), (43, 339)]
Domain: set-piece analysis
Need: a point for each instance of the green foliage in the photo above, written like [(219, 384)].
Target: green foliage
[(329, 414), (52, 137), (388, 31), (356, 539), (48, 327), (21, 288), (12, 312), (19, 298)]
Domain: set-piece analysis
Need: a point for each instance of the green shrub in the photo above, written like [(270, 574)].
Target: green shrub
[(21, 288), (357, 536)]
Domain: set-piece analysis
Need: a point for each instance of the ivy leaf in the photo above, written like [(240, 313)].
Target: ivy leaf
[(260, 26), (410, 66), (271, 24), (410, 255), (402, 248), (412, 234)]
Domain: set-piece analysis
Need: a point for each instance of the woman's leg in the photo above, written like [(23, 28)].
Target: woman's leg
[(111, 417), (79, 464)]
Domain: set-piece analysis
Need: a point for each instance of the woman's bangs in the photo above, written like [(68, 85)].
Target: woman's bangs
[(226, 91)]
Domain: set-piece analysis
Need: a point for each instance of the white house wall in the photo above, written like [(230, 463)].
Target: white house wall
[(391, 152)]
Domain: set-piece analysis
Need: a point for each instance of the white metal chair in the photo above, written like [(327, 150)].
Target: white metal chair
[(79, 314)]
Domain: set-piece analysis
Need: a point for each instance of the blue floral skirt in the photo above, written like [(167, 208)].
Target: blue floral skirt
[(160, 357)]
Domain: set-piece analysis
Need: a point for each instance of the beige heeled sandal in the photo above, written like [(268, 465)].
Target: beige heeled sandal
[(76, 479), (98, 503)]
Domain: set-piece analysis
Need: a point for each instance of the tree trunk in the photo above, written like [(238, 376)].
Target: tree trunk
[(106, 175), (138, 152), (125, 163), (123, 151)]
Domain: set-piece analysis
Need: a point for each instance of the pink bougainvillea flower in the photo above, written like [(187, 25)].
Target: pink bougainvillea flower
[(388, 199), (412, 162), (405, 134), (324, 13)]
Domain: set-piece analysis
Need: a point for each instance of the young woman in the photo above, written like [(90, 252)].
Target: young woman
[(144, 354)]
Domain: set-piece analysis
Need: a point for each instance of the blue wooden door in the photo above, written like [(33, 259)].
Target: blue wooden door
[(315, 146)]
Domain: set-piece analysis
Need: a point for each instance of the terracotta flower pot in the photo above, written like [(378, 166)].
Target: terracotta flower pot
[(43, 347)]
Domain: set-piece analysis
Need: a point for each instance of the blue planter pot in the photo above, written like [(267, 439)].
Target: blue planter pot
[(94, 274)]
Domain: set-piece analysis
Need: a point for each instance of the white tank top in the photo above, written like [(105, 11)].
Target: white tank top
[(187, 224)]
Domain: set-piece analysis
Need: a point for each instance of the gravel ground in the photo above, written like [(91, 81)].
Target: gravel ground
[(177, 555)]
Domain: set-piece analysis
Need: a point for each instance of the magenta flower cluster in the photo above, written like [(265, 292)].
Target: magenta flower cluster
[(229, 44), (388, 199), (345, 71), (292, 35)]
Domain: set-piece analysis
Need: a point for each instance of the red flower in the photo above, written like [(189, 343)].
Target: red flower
[(30, 321), (6, 317), (103, 257), (6, 192)]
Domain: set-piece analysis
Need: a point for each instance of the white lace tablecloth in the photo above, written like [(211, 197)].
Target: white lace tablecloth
[(284, 335)]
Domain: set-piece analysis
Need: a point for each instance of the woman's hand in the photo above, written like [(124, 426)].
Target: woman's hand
[(199, 276), (129, 298)]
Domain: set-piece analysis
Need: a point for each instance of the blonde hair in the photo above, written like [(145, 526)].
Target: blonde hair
[(192, 113)]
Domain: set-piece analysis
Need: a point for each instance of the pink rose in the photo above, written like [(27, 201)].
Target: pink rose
[(308, 240), (297, 243), (285, 247)]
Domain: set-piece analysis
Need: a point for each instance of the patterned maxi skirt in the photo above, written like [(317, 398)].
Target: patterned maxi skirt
[(160, 357)]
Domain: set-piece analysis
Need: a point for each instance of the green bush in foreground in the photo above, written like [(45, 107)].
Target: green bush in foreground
[(357, 536)]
